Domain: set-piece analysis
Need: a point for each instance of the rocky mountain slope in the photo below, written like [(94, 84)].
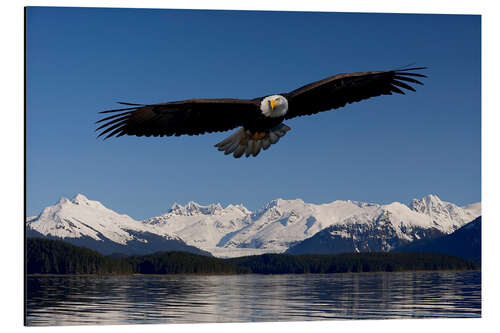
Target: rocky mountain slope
[(465, 243), (236, 231), (88, 223)]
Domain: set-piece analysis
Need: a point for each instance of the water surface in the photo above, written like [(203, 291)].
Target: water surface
[(78, 300)]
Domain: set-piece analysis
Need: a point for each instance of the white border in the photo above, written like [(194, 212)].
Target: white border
[(12, 161)]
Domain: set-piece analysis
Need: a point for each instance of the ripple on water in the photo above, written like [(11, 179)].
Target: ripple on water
[(75, 300)]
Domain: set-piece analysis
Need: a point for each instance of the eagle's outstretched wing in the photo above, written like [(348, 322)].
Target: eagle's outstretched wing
[(192, 117), (338, 90)]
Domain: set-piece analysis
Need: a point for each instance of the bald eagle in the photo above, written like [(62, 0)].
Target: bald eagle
[(261, 119)]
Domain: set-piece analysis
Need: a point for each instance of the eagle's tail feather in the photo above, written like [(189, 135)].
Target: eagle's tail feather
[(245, 142)]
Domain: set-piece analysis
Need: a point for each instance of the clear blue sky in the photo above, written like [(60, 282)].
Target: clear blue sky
[(391, 148)]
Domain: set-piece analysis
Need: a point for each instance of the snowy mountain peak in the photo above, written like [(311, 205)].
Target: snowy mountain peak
[(62, 201), (350, 203), (89, 223), (426, 204), (445, 213), (432, 200), (239, 208), (282, 203), (80, 198), (81, 217), (272, 203), (194, 208), (279, 208)]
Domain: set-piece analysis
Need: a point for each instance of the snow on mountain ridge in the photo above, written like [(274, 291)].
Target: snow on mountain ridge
[(202, 226), (235, 230), (282, 223), (194, 208), (80, 217), (441, 212)]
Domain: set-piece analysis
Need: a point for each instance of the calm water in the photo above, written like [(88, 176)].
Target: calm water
[(242, 298)]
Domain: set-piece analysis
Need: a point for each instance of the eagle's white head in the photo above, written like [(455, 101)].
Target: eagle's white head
[(274, 106)]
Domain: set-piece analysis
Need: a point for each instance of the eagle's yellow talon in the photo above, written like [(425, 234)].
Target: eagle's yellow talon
[(258, 135)]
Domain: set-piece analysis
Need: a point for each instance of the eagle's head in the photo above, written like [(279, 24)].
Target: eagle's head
[(274, 106)]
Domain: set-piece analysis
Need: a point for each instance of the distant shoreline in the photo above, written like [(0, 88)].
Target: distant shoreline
[(231, 274)]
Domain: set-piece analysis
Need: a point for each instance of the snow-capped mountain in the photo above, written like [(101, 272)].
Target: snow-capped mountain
[(282, 223), (464, 242), (443, 212), (236, 231), (88, 223), (203, 226)]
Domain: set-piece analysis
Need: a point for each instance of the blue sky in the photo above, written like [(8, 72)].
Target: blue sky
[(391, 148)]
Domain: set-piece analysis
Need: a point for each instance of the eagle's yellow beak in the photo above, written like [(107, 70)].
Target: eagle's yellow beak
[(273, 103)]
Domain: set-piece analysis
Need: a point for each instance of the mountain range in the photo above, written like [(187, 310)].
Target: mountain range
[(89, 223), (279, 226)]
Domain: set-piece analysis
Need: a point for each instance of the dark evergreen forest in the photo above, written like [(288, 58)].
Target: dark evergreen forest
[(45, 256)]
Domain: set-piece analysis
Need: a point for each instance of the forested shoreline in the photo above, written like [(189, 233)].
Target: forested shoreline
[(45, 256)]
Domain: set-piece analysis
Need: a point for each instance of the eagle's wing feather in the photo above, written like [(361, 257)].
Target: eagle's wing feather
[(338, 90), (192, 117)]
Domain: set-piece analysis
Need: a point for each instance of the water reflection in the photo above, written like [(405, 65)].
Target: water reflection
[(242, 298)]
